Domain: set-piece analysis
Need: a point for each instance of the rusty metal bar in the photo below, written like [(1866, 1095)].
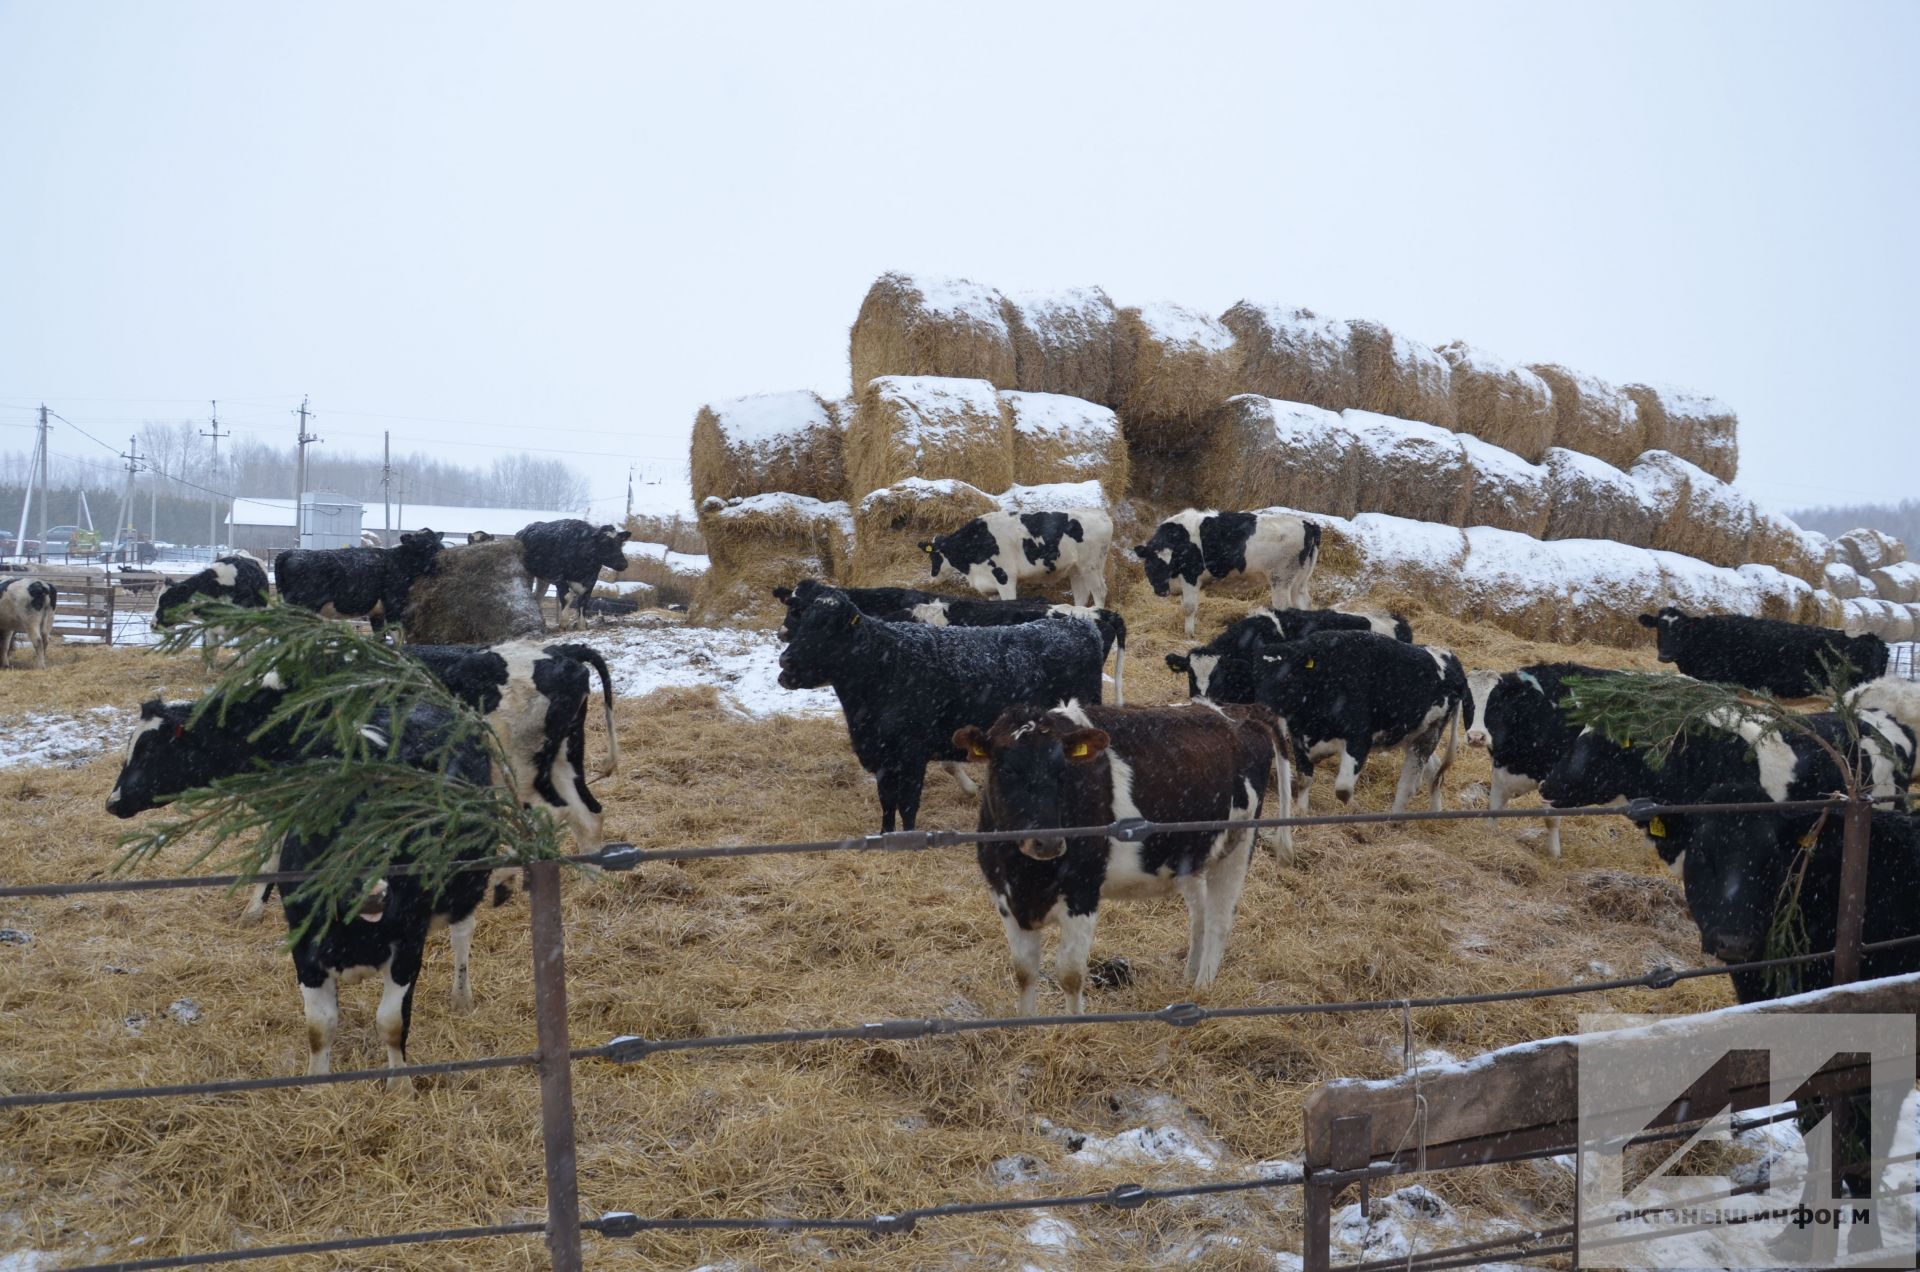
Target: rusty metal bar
[(1316, 1240), (556, 1064), (1856, 842)]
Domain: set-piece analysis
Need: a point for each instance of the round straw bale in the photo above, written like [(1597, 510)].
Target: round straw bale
[(1422, 558), (913, 324), (742, 595), (1869, 588), (1499, 402), (769, 441), (1593, 417), (1784, 596), (1778, 542), (1897, 582), (890, 523), (1399, 376), (1896, 621), (1063, 342), (1294, 355), (741, 531), (478, 594), (1172, 367), (929, 427), (1057, 438), (1868, 549), (1410, 469), (1588, 498), (1692, 425), (1841, 579), (1859, 616), (1610, 586), (1515, 582), (1700, 588), (1260, 452), (1699, 515), (1506, 492)]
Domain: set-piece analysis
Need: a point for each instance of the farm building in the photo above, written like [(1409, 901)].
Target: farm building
[(266, 526)]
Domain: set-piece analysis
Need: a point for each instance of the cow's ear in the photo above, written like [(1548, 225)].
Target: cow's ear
[(1140, 550), (926, 546), (783, 594), (1179, 663), (1084, 744), (625, 535), (1648, 620), (153, 709), (972, 740)]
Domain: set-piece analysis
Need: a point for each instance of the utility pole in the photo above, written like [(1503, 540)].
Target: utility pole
[(120, 526), (300, 471), (45, 430), (213, 500), (403, 498), (386, 479), (26, 498), (629, 492)]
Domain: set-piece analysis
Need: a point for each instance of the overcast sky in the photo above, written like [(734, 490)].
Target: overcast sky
[(564, 226)]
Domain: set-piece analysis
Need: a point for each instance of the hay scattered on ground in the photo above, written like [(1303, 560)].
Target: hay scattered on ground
[(1697, 428), (1399, 376), (932, 428), (1260, 452), (1057, 438), (769, 441), (1589, 498), (1063, 342), (1593, 417), (764, 541), (1506, 492), (911, 324), (1698, 515), (1410, 469), (890, 523), (1499, 402), (1294, 355), (1173, 366)]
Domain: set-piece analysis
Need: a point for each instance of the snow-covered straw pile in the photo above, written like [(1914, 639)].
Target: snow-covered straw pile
[(789, 442)]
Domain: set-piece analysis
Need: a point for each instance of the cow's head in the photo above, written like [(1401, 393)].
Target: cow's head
[(418, 548), (1666, 624), (1222, 677), (608, 548), (1598, 770), (479, 536), (172, 605), (1031, 756), (1473, 711), (796, 599), (1168, 555), (935, 548), (826, 633), (1158, 565), (1733, 871), (163, 759)]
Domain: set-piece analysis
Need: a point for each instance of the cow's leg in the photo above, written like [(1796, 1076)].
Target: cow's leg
[(258, 905), (1225, 879), (583, 810), (1070, 962), (1411, 768), (961, 775), (1189, 603), (1553, 838), (395, 1014), (1193, 890), (887, 784), (909, 782), (322, 1001), (1446, 746), (461, 936), (1024, 945), (1097, 586), (38, 636), (1303, 781), (1008, 590), (1353, 755), (1280, 589)]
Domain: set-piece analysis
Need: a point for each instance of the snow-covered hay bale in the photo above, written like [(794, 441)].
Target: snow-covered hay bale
[(1867, 549), (478, 594), (1699, 515), (1056, 496), (1399, 376), (1828, 610), (930, 427), (889, 524), (1409, 469), (1885, 619), (1778, 542), (1499, 402), (1700, 588), (1063, 342), (1513, 581), (1421, 558), (1059, 438), (1897, 582), (765, 541), (1697, 428), (1260, 452), (768, 441), (1782, 595), (1841, 579), (1588, 498), (1173, 366), (1294, 355), (1593, 417), (1505, 491), (915, 324)]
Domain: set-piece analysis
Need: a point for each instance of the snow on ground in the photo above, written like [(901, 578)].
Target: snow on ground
[(743, 665), (44, 739), (679, 562)]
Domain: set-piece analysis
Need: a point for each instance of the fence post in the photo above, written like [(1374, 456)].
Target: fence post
[(1858, 826), (1316, 1241), (556, 1066)]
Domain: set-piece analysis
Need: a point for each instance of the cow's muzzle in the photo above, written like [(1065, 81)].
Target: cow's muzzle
[(1729, 947), (1043, 849), (1476, 737), (1161, 589)]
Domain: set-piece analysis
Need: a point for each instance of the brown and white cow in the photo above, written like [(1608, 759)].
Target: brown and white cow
[(1091, 766)]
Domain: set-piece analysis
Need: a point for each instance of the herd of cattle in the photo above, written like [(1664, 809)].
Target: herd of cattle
[(1016, 686)]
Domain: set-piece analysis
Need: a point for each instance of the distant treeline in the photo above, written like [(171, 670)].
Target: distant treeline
[(1901, 520)]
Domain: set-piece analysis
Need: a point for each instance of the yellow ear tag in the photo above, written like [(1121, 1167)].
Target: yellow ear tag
[(1809, 839), (855, 620), (927, 548), (1626, 744), (1309, 664), (1657, 828), (1079, 752), (977, 752)]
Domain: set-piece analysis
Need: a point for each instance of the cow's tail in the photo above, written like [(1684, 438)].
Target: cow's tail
[(1119, 658), (1276, 730), (591, 656), (1309, 557)]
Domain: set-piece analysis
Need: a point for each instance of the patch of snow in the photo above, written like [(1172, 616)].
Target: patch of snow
[(1054, 496), (760, 419), (1008, 1172), (935, 412), (185, 1011), (42, 739), (27, 1260), (14, 936), (1498, 463), (961, 298), (1382, 1231), (1057, 318), (921, 487), (1687, 403), (678, 562), (1050, 1232), (1146, 1146), (743, 665), (1177, 325)]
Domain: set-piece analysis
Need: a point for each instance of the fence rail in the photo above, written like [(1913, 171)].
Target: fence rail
[(556, 1056)]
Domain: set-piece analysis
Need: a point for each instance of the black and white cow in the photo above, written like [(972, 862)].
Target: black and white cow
[(570, 553), (947, 611), (1346, 693), (370, 583), (1198, 548), (906, 687), (1520, 719), (239, 579), (170, 753), (1089, 766), (994, 552), (26, 607), (874, 602), (1786, 765), (1264, 627), (1761, 653)]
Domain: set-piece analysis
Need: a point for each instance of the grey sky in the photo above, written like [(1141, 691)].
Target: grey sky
[(565, 225)]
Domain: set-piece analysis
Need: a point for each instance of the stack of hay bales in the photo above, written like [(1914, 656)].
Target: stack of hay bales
[(1899, 582), (1842, 580), (889, 524), (1508, 580), (759, 542), (1419, 558), (928, 426), (764, 442), (1593, 417), (1867, 549), (1499, 402), (1693, 426), (1699, 515), (1063, 342), (1172, 367), (1505, 491), (1399, 376), (1260, 452), (1057, 438), (1588, 498), (1410, 469), (1778, 542), (912, 324), (1784, 596), (1294, 355)]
